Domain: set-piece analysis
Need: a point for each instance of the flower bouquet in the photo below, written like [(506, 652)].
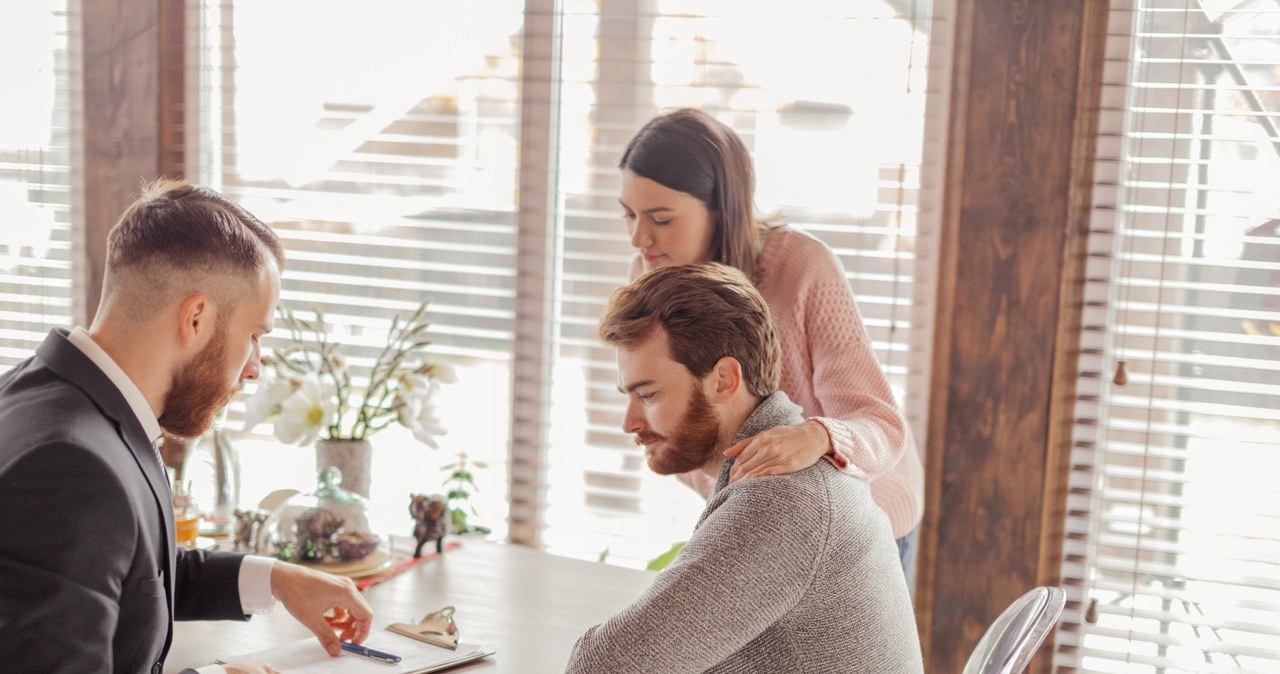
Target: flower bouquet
[(307, 388)]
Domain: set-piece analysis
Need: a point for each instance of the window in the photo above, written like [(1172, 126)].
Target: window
[(468, 153), (38, 140), (381, 145), (1173, 531), (841, 156)]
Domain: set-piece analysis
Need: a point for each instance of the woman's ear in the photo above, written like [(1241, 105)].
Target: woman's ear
[(727, 376)]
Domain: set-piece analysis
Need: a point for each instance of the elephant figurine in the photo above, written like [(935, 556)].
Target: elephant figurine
[(431, 517)]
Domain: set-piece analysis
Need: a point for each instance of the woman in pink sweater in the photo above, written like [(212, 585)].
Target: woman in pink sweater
[(687, 193)]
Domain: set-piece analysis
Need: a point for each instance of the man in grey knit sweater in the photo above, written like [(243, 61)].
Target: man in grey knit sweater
[(787, 573)]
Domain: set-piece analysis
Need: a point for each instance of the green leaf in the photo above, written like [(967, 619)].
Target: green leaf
[(661, 561), (604, 554), (458, 521)]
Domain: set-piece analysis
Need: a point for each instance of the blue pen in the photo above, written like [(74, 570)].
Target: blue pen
[(369, 652)]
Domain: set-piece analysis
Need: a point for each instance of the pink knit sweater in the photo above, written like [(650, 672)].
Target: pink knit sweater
[(830, 371)]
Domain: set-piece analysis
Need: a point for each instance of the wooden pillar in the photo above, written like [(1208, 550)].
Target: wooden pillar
[(1017, 193), (133, 105)]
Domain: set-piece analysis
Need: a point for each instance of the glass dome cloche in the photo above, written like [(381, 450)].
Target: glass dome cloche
[(329, 526)]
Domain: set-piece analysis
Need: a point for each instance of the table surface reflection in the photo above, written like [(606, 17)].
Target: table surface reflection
[(530, 606)]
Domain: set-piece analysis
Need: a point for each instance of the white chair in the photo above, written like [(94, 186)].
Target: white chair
[(1014, 637)]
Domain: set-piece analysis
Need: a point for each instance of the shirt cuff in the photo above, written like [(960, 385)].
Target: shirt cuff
[(255, 586)]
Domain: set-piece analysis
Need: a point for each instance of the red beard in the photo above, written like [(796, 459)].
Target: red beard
[(692, 445), (199, 390)]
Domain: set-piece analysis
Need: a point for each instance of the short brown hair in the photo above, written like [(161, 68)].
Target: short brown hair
[(708, 311), (177, 231)]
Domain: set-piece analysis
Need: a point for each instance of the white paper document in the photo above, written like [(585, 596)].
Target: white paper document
[(416, 657)]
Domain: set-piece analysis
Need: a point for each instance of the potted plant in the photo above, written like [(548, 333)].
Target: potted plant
[(309, 392)]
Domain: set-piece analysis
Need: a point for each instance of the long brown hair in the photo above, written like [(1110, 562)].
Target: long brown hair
[(692, 152)]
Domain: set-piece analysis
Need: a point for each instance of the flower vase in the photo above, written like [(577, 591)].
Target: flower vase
[(211, 472), (353, 457), (226, 475)]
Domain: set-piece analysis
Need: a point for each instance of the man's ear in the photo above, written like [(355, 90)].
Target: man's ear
[(197, 316), (726, 375)]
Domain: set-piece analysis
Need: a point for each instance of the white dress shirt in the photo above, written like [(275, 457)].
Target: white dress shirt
[(255, 572)]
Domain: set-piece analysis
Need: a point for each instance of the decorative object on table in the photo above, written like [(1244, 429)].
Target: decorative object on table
[(308, 390), (248, 527), (354, 458), (328, 528), (431, 520), (212, 467), (437, 627), (461, 481)]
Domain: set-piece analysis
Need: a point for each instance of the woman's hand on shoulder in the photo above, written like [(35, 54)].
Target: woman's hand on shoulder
[(779, 451)]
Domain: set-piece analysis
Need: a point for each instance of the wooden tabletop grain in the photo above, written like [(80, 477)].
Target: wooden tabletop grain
[(530, 606)]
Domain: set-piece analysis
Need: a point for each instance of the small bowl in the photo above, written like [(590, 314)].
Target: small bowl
[(353, 546)]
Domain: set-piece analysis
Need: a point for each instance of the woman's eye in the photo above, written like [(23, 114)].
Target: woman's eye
[(660, 222)]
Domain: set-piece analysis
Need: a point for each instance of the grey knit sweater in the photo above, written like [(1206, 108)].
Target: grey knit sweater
[(792, 573)]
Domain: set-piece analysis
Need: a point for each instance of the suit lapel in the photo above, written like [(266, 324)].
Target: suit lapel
[(70, 363)]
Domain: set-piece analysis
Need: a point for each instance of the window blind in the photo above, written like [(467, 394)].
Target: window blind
[(39, 136), (382, 147), (1172, 551), (831, 100), (467, 155)]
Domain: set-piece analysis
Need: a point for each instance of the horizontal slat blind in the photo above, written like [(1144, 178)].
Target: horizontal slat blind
[(40, 76), (1172, 557), (830, 98), (382, 146), (394, 170)]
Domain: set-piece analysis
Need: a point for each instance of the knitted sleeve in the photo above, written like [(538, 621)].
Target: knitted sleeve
[(852, 398), (749, 562)]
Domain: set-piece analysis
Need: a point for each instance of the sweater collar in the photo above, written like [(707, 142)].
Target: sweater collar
[(774, 410)]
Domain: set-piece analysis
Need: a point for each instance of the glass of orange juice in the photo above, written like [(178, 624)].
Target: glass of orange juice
[(186, 518)]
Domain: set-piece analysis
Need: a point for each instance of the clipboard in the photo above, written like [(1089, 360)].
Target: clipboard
[(416, 657), (437, 628)]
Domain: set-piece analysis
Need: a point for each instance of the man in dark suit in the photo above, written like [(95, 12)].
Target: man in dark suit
[(90, 577)]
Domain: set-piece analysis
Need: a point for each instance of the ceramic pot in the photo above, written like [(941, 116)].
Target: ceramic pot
[(353, 457)]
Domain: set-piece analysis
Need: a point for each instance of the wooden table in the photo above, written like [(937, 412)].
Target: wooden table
[(530, 606)]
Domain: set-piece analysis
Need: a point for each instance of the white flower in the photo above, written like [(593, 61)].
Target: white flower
[(418, 415), (416, 387), (265, 400), (444, 373), (304, 413)]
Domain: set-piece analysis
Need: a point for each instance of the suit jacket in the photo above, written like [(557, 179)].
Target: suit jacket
[(89, 577)]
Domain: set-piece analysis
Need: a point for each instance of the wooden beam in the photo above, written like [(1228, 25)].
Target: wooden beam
[(1019, 175), (133, 93)]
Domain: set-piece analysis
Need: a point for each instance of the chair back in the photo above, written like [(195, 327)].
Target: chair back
[(1011, 641)]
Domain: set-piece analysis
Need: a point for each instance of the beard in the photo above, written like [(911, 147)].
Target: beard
[(692, 445), (199, 390)]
